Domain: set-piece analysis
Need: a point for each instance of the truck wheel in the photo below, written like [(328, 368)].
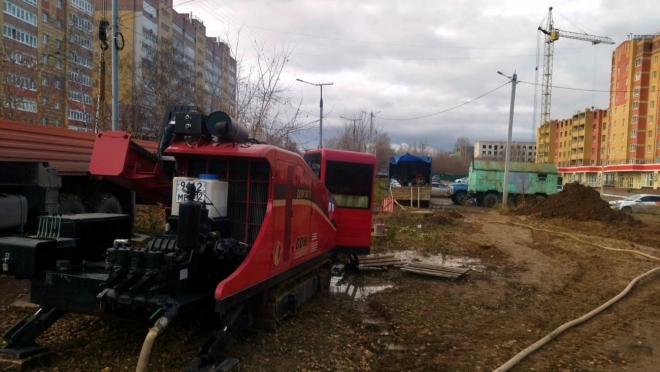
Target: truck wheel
[(490, 200), (453, 200), (461, 198), (105, 203), (70, 204)]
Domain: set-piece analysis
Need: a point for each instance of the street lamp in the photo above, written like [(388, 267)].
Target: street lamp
[(321, 108)]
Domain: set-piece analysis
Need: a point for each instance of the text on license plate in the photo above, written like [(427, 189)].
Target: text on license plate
[(181, 186)]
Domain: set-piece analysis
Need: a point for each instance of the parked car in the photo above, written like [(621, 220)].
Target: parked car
[(560, 188), (639, 203), (461, 180), (438, 189)]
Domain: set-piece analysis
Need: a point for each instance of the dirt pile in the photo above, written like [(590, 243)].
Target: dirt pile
[(581, 203)]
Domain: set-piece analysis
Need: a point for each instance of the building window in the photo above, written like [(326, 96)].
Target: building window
[(647, 179), (635, 104), (59, 23), (58, 84), (45, 17), (654, 74), (638, 62), (44, 81), (638, 75), (44, 59), (58, 105), (634, 119), (45, 38), (652, 104), (633, 148), (19, 35), (84, 6), (22, 104), (20, 13), (59, 4), (650, 134), (648, 148)]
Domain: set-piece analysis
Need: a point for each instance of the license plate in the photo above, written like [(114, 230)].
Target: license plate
[(181, 187)]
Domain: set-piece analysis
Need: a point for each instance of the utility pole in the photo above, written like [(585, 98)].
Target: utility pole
[(507, 156), (354, 134), (371, 132), (320, 107), (115, 65)]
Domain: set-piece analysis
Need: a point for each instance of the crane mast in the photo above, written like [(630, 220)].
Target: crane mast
[(551, 35)]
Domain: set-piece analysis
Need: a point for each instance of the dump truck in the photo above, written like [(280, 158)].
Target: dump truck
[(485, 181), (67, 154)]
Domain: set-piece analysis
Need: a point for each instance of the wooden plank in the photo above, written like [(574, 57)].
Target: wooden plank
[(432, 273), (438, 267), (433, 270), (382, 263), (374, 256)]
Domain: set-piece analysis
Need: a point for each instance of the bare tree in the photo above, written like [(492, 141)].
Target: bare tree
[(447, 162), (463, 146), (263, 99)]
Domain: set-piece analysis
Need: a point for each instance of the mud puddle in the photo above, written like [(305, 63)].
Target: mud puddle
[(443, 260), (357, 287)]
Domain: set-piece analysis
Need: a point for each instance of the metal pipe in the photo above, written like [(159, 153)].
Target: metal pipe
[(115, 65)]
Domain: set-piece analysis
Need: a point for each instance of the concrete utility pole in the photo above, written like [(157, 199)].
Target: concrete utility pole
[(320, 107), (507, 156), (115, 65)]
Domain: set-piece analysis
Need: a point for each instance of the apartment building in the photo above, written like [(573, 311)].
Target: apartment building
[(624, 142), (496, 150), (575, 141), (47, 74), (545, 142), (166, 59)]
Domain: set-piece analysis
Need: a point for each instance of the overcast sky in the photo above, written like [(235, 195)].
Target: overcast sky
[(412, 58)]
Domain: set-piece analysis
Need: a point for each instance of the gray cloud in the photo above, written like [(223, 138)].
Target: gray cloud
[(408, 59)]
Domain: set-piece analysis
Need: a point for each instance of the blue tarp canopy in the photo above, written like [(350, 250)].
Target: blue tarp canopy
[(409, 158), (407, 166)]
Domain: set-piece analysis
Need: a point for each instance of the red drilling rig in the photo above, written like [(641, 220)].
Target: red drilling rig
[(251, 229)]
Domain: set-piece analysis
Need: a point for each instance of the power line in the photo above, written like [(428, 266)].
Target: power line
[(449, 109), (385, 43), (582, 89), (425, 59)]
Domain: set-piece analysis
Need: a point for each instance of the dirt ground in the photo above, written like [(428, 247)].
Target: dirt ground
[(525, 283)]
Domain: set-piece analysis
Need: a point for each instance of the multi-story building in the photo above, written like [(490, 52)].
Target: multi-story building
[(545, 142), (624, 150), (495, 150), (167, 59), (47, 59), (575, 142)]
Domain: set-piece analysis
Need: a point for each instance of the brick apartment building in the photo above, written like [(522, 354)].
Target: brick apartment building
[(51, 65), (619, 146)]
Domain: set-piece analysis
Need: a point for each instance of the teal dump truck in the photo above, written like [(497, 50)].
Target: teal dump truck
[(530, 179)]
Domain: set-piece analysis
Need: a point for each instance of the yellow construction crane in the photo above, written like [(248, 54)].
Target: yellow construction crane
[(553, 34)]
